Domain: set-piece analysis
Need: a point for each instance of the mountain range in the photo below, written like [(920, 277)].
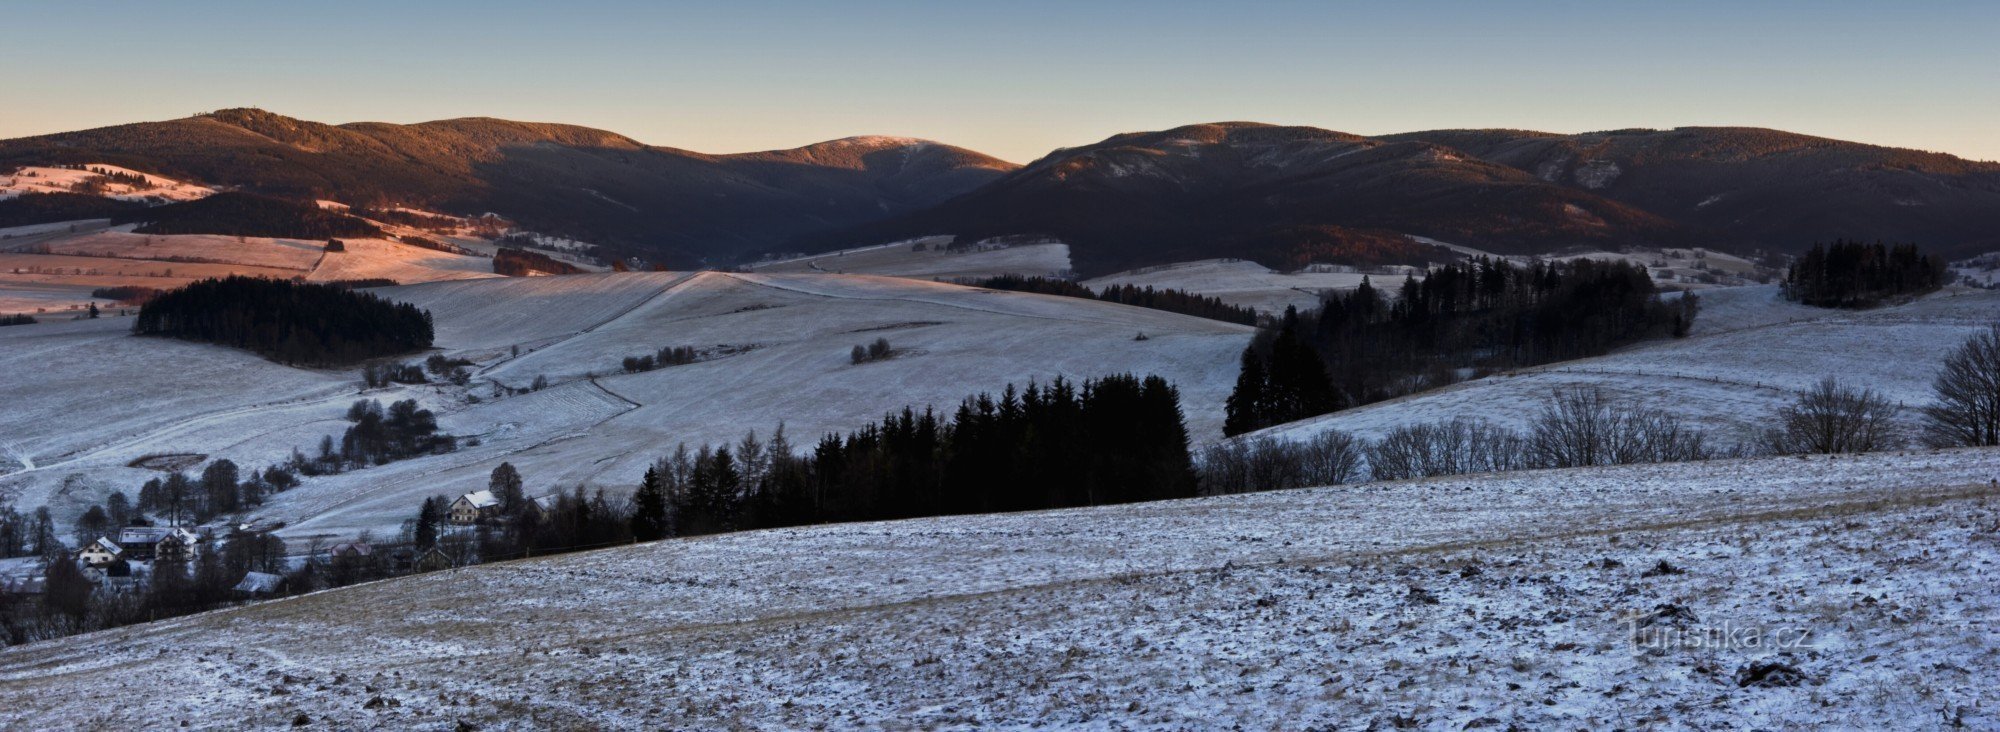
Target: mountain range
[(1284, 196)]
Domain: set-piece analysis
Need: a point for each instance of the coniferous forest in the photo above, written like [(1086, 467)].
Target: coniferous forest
[(1116, 439), (289, 322), (522, 263), (1362, 347), (245, 214), (1168, 299), (1849, 274)]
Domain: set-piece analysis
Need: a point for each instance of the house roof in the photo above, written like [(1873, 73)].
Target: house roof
[(354, 547), (547, 503), (143, 534), (108, 545), (480, 499), (262, 582)]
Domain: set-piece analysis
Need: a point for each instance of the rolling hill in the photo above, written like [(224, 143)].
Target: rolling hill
[(778, 343), (1753, 187), (668, 204)]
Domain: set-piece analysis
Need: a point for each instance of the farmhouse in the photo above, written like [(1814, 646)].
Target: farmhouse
[(101, 552), (260, 584), (473, 507), (145, 543)]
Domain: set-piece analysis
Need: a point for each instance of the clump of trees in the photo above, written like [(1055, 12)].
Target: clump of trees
[(666, 356), (248, 214), (289, 322), (1832, 417), (379, 436), (523, 263), (1460, 320), (127, 294), (1265, 463), (222, 489), (375, 376), (1170, 300), (875, 351), (1849, 274), (1110, 440), (17, 319), (1967, 410), (53, 207)]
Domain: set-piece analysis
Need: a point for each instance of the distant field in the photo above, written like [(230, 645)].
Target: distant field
[(902, 259), (1242, 282), (119, 242), (373, 258)]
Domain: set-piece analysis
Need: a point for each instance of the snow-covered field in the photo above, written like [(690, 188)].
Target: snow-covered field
[(932, 262), (949, 342), (1490, 601), (158, 189), (1243, 282), (1750, 353)]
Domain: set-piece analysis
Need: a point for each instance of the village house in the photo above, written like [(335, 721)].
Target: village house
[(101, 552), (543, 507), (350, 550), (149, 543), (474, 507)]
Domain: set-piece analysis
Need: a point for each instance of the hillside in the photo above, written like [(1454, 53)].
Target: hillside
[(777, 351), (672, 205), (1751, 352), (1762, 188), (1447, 604), (1213, 190)]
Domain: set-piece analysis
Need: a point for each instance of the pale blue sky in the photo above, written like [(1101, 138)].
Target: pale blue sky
[(1018, 78)]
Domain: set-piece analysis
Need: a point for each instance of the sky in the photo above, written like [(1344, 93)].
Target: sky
[(1016, 79)]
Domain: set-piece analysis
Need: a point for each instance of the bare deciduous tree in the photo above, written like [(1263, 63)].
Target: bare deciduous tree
[(1833, 418), (1967, 412)]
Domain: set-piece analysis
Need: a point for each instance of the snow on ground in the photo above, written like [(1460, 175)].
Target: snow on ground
[(1751, 352), (30, 282), (377, 258), (120, 243), (159, 189), (1243, 282), (932, 261), (169, 397), (949, 342), (1458, 603)]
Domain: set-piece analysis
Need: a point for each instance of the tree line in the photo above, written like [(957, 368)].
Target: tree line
[(248, 214), (1112, 440), (289, 322), (1170, 300), (523, 263), (1463, 319), (1850, 274)]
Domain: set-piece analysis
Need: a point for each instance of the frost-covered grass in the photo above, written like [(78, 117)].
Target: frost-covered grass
[(1479, 601)]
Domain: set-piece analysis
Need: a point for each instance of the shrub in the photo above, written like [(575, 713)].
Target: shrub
[(1832, 418)]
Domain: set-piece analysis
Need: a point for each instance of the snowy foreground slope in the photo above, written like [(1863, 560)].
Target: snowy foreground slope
[(1751, 353), (1478, 601), (779, 352)]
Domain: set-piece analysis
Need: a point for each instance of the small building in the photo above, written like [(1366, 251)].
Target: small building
[(100, 553), (350, 550), (474, 507), (432, 560), (542, 507), (260, 584)]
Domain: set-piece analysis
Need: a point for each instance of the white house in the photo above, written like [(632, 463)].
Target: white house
[(101, 552), (472, 507)]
